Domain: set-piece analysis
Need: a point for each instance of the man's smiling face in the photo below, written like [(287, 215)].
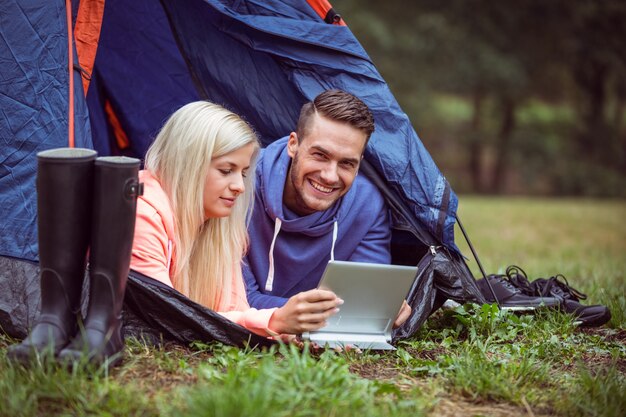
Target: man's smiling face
[(324, 164)]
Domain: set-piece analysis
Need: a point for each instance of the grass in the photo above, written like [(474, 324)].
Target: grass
[(472, 360), (585, 240), (296, 385)]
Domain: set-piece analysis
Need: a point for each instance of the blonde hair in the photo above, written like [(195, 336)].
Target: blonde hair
[(208, 253)]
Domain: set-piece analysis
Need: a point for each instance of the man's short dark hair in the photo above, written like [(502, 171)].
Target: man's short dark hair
[(338, 106)]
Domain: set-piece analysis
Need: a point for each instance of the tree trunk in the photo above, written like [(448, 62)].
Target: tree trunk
[(503, 145), (618, 121), (475, 146), (591, 79)]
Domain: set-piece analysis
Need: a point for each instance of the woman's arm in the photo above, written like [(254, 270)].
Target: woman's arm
[(151, 251), (303, 312)]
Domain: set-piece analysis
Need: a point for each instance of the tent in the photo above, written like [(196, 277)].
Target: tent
[(106, 75)]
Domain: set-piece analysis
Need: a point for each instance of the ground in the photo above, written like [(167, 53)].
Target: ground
[(469, 361)]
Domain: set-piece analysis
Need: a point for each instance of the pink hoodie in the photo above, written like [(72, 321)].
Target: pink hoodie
[(154, 255)]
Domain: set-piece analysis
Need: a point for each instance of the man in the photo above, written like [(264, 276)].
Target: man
[(311, 206)]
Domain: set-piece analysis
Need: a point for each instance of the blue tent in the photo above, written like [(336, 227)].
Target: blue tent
[(139, 61)]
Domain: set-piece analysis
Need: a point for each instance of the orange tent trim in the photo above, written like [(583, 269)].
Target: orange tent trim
[(87, 36), (70, 59), (322, 7), (118, 131)]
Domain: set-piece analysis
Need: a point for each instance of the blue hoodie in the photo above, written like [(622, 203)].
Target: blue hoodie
[(355, 228)]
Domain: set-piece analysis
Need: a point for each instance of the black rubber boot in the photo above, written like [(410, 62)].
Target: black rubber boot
[(116, 188), (64, 202)]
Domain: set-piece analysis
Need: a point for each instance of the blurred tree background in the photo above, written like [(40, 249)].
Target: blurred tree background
[(510, 97)]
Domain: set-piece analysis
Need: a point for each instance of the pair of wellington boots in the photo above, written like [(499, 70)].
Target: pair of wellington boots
[(85, 205)]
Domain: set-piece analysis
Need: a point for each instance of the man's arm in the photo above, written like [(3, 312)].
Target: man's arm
[(256, 298)]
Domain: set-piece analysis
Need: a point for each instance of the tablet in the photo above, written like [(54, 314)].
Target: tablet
[(373, 295)]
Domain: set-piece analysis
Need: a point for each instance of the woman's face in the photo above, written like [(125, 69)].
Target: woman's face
[(224, 181)]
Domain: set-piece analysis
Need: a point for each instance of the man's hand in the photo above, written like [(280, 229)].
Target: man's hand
[(305, 312), (403, 315)]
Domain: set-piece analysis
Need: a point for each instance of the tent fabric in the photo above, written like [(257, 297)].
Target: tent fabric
[(34, 97), (152, 308), (152, 312), (262, 60), (442, 275), (282, 55), (139, 76)]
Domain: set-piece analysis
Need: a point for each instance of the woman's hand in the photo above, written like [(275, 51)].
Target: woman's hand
[(305, 312), (403, 315)]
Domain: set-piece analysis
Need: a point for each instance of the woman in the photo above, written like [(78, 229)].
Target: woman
[(190, 231)]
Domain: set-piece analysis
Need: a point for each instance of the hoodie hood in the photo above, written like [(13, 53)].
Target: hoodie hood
[(159, 201), (272, 174)]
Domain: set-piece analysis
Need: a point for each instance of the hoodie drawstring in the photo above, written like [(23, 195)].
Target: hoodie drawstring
[(270, 273), (269, 284), (332, 248)]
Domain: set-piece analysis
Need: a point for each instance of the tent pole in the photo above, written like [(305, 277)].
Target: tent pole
[(480, 266), (70, 58)]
